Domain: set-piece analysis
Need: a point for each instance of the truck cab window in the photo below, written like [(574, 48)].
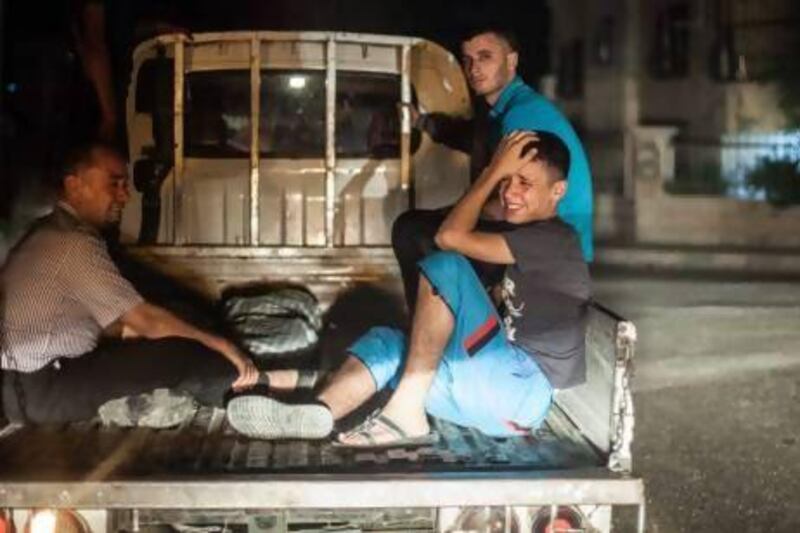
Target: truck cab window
[(291, 123), (367, 121)]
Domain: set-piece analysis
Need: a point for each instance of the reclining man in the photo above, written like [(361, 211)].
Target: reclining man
[(62, 293), (462, 362)]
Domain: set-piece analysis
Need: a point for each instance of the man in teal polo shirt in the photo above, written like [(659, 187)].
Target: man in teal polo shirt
[(505, 104)]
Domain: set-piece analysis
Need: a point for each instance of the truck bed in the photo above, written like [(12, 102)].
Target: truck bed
[(206, 446), (204, 464)]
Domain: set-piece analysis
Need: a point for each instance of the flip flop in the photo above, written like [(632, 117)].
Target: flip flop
[(262, 417), (402, 440)]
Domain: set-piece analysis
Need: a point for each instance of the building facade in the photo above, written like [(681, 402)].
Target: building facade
[(679, 102)]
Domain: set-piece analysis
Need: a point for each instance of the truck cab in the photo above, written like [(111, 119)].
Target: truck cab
[(285, 145)]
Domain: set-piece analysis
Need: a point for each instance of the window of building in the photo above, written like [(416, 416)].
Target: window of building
[(570, 70), (604, 50), (756, 40), (671, 47)]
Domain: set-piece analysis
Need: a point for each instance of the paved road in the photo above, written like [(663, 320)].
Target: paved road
[(717, 392)]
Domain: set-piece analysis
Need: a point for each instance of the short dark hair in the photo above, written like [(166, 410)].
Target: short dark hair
[(80, 157), (504, 34), (551, 150)]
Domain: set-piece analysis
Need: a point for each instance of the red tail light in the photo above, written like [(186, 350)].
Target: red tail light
[(566, 520)]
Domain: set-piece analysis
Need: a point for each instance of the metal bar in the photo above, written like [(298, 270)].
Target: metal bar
[(307, 36), (640, 522), (2, 86), (276, 252), (179, 231), (331, 492), (228, 37), (405, 125), (330, 144), (255, 145), (631, 81), (622, 417)]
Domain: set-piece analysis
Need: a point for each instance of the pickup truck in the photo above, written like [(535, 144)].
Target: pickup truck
[(263, 157)]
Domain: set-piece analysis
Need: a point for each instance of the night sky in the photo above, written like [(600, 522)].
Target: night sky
[(39, 64), (443, 21)]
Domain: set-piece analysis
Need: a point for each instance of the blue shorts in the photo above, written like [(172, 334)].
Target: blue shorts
[(483, 380)]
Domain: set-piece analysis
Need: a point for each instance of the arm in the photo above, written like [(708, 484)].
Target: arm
[(154, 322), (453, 132), (457, 232), (90, 39), (116, 306)]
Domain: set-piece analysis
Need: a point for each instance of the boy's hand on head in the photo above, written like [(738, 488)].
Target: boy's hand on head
[(508, 158)]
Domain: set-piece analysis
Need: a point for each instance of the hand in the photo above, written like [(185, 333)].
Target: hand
[(248, 373), (508, 158), (493, 208), (413, 111), (154, 28)]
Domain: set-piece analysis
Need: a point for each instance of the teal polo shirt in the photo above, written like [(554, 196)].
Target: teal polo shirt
[(521, 108)]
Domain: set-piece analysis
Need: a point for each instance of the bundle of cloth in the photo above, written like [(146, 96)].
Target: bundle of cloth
[(276, 322)]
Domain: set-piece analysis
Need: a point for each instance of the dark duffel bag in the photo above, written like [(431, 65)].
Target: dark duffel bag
[(278, 321)]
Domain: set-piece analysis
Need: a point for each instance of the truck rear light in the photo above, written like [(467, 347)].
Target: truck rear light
[(485, 520), (566, 520), (55, 521), (6, 525)]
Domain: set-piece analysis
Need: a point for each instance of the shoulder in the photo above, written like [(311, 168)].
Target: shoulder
[(526, 98), (82, 251), (528, 109), (49, 238), (552, 237), (83, 243), (554, 226)]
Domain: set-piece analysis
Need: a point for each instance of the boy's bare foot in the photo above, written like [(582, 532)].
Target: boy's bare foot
[(380, 431)]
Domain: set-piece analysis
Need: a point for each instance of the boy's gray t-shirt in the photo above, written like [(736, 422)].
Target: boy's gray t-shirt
[(546, 293)]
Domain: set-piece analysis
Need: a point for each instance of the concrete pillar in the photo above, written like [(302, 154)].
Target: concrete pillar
[(631, 72), (654, 155)]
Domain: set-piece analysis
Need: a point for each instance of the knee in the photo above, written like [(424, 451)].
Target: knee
[(381, 350), (446, 265), (406, 222), (413, 229)]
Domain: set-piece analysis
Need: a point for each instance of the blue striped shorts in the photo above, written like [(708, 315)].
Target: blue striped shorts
[(483, 380)]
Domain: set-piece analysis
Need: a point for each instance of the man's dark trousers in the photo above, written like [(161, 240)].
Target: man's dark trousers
[(413, 238), (73, 389)]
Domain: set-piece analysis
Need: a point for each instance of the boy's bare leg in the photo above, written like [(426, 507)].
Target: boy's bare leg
[(348, 388), (431, 329)]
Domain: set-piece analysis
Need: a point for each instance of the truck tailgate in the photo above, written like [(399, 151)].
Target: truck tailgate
[(203, 463)]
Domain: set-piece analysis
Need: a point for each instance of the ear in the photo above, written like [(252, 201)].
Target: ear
[(559, 189), (513, 61), (71, 183)]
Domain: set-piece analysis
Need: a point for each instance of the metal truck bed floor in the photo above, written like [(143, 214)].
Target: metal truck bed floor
[(207, 446)]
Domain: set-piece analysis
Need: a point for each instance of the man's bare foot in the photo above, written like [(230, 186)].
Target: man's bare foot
[(291, 379), (282, 380)]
